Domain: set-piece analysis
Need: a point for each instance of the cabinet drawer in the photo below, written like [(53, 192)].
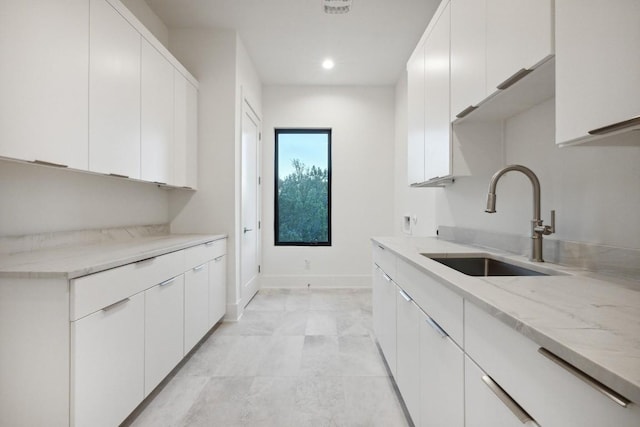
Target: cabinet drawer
[(96, 291), (198, 255), (385, 259), (440, 303), (552, 395)]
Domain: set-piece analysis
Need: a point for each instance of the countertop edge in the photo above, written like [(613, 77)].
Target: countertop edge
[(165, 244)]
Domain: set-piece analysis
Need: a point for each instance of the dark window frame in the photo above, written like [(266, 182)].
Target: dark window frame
[(278, 132)]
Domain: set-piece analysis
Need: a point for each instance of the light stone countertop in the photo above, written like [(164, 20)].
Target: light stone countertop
[(592, 322), (75, 260)]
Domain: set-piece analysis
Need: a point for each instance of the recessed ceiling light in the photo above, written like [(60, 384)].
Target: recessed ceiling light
[(336, 6), (328, 64)]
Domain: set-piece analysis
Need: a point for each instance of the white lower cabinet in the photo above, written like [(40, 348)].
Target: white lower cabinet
[(483, 407), (196, 305), (553, 395), (164, 330), (384, 315), (217, 289), (441, 377), (408, 353), (108, 363)]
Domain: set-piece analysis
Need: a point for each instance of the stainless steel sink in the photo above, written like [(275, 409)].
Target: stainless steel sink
[(484, 266)]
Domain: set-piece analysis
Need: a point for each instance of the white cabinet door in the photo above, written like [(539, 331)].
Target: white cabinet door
[(164, 330), (519, 35), (468, 54), (384, 315), (217, 289), (597, 66), (482, 407), (157, 116), (185, 150), (114, 93), (408, 353), (44, 81), (415, 112), (108, 363), (437, 123), (441, 377), (196, 305)]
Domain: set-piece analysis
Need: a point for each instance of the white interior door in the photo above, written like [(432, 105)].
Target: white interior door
[(250, 231)]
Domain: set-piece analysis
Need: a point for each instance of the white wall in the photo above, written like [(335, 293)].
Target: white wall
[(220, 63), (362, 123), (38, 199), (594, 189), (417, 203), (149, 19)]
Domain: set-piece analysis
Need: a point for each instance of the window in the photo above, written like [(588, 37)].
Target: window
[(303, 187)]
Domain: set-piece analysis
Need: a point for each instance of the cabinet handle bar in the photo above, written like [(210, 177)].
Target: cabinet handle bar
[(466, 111), (44, 163), (616, 126), (216, 259), (167, 282), (508, 401), (619, 399), (436, 327), (210, 243), (115, 304), (405, 295), (513, 79), (198, 268)]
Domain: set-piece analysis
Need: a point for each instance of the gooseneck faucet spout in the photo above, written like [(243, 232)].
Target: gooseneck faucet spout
[(537, 229)]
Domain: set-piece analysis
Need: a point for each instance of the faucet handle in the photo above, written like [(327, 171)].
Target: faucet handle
[(547, 229)]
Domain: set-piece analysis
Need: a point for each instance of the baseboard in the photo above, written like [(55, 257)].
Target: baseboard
[(316, 281), (233, 313)]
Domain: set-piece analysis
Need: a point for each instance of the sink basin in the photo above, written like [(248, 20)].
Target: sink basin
[(484, 266)]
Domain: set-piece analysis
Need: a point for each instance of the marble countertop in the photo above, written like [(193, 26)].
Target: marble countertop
[(591, 321), (75, 260)]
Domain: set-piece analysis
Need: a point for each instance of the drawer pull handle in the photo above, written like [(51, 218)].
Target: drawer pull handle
[(436, 327), (387, 278), (146, 260), (620, 400), (210, 243), (466, 111), (404, 295), (517, 76), (217, 259), (381, 247), (198, 268), (44, 163), (507, 400), (117, 175), (116, 304), (167, 282), (616, 126)]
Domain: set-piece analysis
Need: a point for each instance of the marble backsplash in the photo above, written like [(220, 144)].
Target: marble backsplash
[(34, 242), (614, 261)]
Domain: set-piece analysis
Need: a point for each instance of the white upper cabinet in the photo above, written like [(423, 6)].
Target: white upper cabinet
[(157, 116), (429, 136), (44, 81), (519, 36), (495, 43), (468, 54), (597, 69), (114, 93), (437, 124), (415, 112), (185, 150)]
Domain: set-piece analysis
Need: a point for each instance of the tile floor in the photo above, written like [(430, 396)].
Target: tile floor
[(297, 357)]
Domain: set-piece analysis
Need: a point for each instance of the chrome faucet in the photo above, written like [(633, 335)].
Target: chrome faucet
[(537, 229)]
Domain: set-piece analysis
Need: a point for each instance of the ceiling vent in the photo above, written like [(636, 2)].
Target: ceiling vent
[(336, 6)]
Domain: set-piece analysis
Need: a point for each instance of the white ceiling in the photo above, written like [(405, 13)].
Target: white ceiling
[(288, 39)]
